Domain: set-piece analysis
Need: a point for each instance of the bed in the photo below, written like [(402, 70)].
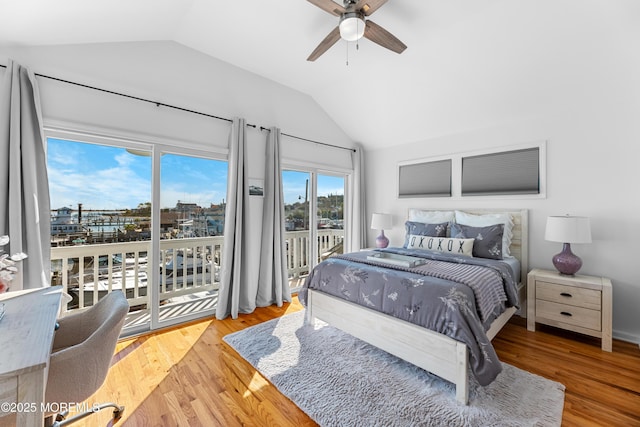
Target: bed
[(457, 349)]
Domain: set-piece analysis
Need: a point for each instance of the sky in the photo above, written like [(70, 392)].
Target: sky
[(105, 178)]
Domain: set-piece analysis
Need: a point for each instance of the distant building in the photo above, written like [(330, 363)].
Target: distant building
[(64, 223), (187, 207)]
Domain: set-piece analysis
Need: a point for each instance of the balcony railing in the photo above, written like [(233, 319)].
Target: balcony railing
[(88, 272)]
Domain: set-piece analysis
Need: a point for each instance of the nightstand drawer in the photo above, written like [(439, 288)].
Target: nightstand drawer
[(569, 295), (570, 315)]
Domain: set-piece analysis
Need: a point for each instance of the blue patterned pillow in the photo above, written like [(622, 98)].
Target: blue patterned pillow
[(422, 229), (488, 240)]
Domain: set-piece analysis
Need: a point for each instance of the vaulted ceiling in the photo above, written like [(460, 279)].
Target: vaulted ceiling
[(469, 63)]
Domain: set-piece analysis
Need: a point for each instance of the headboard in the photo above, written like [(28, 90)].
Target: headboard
[(519, 242)]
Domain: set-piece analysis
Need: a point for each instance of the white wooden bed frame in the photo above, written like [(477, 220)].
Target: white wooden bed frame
[(429, 350)]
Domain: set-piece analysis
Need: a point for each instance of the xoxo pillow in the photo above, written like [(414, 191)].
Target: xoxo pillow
[(441, 244)]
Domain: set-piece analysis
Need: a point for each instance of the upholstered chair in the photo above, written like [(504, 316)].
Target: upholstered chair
[(83, 348)]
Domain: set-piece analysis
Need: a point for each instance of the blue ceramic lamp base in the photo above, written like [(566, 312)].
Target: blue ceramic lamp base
[(566, 262)]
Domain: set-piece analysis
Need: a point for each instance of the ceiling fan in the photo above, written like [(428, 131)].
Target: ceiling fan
[(353, 25)]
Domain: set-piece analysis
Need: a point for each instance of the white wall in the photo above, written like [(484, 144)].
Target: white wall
[(581, 95), (170, 73), (592, 171)]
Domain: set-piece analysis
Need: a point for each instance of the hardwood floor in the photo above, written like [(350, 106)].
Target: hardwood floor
[(188, 376)]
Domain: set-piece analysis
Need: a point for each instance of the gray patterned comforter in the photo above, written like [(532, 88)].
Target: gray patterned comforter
[(450, 294)]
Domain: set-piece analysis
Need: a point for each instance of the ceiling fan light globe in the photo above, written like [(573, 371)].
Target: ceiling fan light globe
[(351, 27)]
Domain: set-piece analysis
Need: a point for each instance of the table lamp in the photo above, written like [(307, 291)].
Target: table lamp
[(381, 221), (566, 230)]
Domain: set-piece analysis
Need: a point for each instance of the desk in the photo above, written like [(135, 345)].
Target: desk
[(26, 338)]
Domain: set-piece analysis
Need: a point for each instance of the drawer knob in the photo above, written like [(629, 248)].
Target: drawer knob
[(566, 313), (566, 294)]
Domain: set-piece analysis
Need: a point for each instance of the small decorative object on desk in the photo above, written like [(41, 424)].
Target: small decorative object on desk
[(8, 267)]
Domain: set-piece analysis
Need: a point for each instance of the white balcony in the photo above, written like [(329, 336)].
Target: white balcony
[(189, 271)]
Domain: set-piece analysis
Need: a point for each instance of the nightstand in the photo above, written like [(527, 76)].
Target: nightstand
[(576, 303)]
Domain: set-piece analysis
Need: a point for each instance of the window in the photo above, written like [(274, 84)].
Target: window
[(507, 172), (330, 215), (118, 222), (312, 198), (516, 171), (428, 179)]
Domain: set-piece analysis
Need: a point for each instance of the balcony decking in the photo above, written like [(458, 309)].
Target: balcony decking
[(182, 306)]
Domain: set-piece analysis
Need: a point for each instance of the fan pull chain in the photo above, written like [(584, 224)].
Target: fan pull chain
[(347, 44)]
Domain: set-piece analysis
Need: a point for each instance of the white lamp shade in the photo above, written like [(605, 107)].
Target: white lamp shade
[(381, 221), (352, 27), (568, 229)]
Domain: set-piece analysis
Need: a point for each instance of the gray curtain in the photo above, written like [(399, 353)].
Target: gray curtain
[(24, 185), (234, 278), (273, 284), (356, 206)]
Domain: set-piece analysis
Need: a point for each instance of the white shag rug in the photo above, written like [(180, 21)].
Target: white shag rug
[(339, 380)]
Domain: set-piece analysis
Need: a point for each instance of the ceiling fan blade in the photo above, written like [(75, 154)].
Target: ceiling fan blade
[(329, 6), (325, 44), (367, 7), (384, 38)]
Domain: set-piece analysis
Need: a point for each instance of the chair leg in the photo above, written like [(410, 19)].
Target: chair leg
[(54, 419), (117, 414)]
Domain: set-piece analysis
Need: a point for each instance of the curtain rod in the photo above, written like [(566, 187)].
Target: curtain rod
[(161, 104), (309, 140), (128, 96)]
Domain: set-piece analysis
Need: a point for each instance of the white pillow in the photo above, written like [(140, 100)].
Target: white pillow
[(490, 219), (431, 217), (442, 244)]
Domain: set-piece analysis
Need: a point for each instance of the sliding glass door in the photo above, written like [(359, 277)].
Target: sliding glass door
[(330, 214), (314, 220), (191, 225), (100, 223), (298, 217), (137, 218)]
